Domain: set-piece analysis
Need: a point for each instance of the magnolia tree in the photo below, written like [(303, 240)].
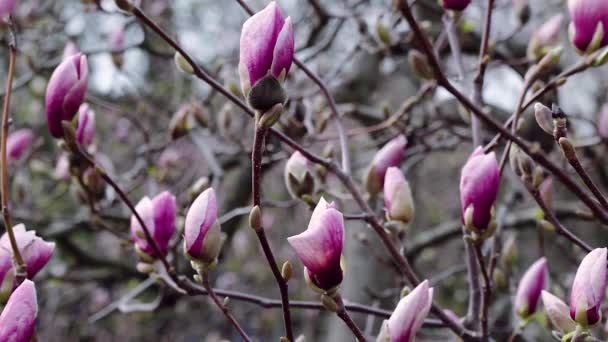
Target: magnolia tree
[(278, 189)]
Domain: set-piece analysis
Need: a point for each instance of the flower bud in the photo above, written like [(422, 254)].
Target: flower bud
[(455, 5), (298, 176), (521, 8), (85, 132), (419, 65), (589, 288), (398, 201), (545, 37), (203, 238), (408, 316), (266, 47), (530, 286), (255, 218), (389, 155), (602, 124), (546, 191), (65, 92), (17, 143), (180, 123), (266, 94), (18, 319), (159, 216), (589, 24), (479, 183), (509, 254), (558, 313), (544, 117), (182, 64), (319, 247)]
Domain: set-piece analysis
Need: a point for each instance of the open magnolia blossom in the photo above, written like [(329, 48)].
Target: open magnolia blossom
[(319, 247), (589, 288)]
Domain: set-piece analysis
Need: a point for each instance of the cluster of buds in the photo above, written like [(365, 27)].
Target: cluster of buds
[(389, 155), (525, 168), (398, 201), (203, 238), (266, 55), (158, 215), (479, 183), (545, 38), (18, 143), (408, 316), (299, 177), (35, 252), (18, 318), (319, 248), (534, 281), (455, 5), (589, 26)]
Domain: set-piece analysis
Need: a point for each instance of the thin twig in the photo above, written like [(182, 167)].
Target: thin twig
[(487, 293), (343, 314)]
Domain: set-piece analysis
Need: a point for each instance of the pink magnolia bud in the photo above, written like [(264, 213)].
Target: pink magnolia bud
[(410, 313), (158, 215), (18, 143), (202, 235), (319, 247), (69, 50), (398, 201), (298, 175), (455, 5), (18, 319), (85, 132), (530, 286), (588, 29), (35, 252), (589, 288), (479, 182), (558, 312), (546, 191), (7, 275), (65, 92), (62, 168), (546, 37), (267, 45), (7, 7), (602, 124), (389, 155)]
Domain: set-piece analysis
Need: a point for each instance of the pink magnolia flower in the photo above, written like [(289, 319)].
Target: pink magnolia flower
[(410, 313), (85, 132), (389, 155), (589, 26), (69, 50), (558, 312), (36, 252), (530, 286), (602, 125), (7, 7), (398, 201), (18, 143), (267, 45), (18, 319), (158, 215), (319, 247), (479, 182), (298, 175), (202, 235), (545, 37), (65, 92), (455, 5), (589, 288)]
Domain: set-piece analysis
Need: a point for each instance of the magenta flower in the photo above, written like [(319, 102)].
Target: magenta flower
[(558, 312), (479, 182), (398, 201), (588, 29), (18, 143), (319, 247), (202, 235), (18, 319), (85, 132), (65, 92), (158, 215), (545, 37), (589, 288), (389, 155), (7, 7), (69, 50), (36, 252), (410, 313), (267, 45), (602, 124), (455, 5), (530, 286), (299, 175)]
